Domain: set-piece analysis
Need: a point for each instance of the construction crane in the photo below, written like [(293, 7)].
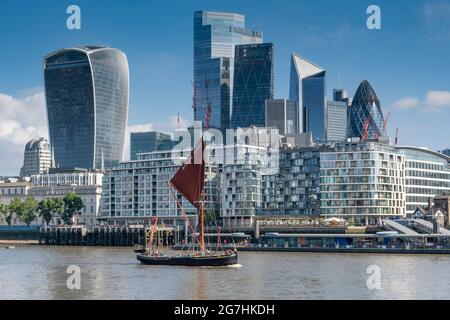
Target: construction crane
[(365, 132)]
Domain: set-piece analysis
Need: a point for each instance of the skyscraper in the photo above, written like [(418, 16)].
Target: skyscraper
[(365, 108), (37, 158), (307, 87), (87, 91), (215, 37), (253, 84), (282, 114), (337, 116), (144, 142)]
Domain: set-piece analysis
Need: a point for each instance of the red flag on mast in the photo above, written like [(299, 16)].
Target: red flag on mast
[(190, 178)]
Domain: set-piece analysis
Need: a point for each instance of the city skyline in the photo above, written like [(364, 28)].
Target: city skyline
[(418, 97)]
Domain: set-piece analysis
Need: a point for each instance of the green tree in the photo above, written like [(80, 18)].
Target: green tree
[(30, 207), (45, 209), (58, 206), (4, 211), (72, 206), (48, 208), (15, 207)]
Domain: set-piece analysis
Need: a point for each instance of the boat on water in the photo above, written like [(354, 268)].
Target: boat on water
[(189, 181), (208, 260)]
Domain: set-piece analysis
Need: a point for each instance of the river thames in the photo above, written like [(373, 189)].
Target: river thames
[(34, 272)]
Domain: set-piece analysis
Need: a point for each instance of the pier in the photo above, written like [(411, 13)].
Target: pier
[(110, 236)]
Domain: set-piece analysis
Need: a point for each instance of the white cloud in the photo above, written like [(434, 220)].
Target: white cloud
[(406, 103), (21, 119), (433, 101)]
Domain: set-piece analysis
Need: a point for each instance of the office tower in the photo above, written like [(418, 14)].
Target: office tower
[(362, 182), (446, 152), (215, 37), (37, 157), (365, 108), (253, 84), (427, 175), (282, 114), (341, 95), (337, 116), (336, 120), (143, 142), (307, 87), (87, 92)]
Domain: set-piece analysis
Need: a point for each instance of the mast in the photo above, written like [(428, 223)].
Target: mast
[(202, 223)]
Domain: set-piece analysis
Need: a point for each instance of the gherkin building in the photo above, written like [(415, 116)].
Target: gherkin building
[(365, 105)]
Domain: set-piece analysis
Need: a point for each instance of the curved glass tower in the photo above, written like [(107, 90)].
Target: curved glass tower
[(87, 92), (365, 104)]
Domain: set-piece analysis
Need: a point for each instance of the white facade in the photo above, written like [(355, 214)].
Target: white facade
[(37, 157), (88, 185), (363, 182), (240, 185), (427, 175), (136, 191)]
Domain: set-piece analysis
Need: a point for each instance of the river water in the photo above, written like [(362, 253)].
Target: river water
[(33, 272)]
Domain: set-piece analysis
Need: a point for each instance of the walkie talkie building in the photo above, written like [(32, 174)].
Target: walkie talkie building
[(87, 92)]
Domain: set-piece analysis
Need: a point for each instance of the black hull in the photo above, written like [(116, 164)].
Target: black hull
[(200, 261)]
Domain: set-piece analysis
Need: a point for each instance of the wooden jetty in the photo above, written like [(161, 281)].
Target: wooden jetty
[(112, 236)]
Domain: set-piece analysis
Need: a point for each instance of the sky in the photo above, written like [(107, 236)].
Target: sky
[(407, 61)]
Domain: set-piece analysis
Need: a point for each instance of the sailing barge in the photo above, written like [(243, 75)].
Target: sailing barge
[(190, 182)]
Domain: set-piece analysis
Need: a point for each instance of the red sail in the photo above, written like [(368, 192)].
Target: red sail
[(190, 178)]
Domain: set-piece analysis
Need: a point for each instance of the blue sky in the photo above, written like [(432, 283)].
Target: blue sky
[(407, 61)]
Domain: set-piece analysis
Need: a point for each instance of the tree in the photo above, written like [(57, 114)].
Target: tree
[(48, 208), (45, 209), (58, 207), (72, 206), (30, 207), (4, 211), (15, 207)]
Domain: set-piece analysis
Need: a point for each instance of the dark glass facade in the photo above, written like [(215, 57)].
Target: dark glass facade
[(87, 91), (282, 114), (144, 142), (215, 37), (365, 105), (253, 84)]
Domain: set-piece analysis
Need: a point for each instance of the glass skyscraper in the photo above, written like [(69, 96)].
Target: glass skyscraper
[(365, 105), (87, 91), (215, 36), (253, 84), (307, 87), (144, 142), (282, 114)]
